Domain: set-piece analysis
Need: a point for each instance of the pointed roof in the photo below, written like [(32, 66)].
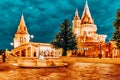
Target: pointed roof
[(22, 22), (86, 13), (22, 29), (76, 15)]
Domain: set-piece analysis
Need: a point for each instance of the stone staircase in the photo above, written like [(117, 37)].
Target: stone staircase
[(10, 58)]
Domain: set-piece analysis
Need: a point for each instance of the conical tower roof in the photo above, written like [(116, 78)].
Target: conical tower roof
[(76, 15), (86, 16), (22, 29)]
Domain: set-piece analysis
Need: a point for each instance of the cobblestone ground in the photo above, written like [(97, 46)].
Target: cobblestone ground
[(76, 71)]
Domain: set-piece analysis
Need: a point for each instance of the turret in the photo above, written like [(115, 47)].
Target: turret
[(22, 36), (76, 23), (86, 16), (76, 15), (22, 29)]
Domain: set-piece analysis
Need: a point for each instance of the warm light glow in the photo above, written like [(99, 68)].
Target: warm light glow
[(31, 36), (11, 44), (85, 29), (44, 48)]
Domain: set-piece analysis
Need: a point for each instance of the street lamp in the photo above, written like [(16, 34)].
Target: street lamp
[(11, 44), (31, 36), (100, 47), (100, 54), (106, 55)]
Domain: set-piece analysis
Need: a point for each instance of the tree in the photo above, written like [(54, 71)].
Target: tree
[(65, 39), (116, 34)]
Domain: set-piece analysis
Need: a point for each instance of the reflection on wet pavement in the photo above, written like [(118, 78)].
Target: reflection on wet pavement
[(76, 71)]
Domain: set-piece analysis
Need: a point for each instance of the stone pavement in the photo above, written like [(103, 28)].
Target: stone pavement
[(91, 60), (79, 69)]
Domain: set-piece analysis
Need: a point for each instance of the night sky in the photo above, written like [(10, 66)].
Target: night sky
[(43, 17)]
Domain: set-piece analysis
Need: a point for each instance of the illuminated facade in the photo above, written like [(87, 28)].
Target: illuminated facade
[(22, 36), (24, 48), (85, 30)]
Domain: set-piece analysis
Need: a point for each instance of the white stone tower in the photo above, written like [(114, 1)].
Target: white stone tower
[(88, 27), (22, 36), (85, 29), (76, 24)]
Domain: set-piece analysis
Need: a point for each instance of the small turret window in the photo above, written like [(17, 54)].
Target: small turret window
[(24, 28), (21, 39)]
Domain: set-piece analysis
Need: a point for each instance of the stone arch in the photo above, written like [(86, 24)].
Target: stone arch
[(17, 53), (35, 53), (23, 53)]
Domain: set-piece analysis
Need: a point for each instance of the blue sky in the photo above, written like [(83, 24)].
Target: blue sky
[(43, 17)]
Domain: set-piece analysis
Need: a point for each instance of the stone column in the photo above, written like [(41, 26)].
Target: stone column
[(37, 53), (20, 53), (26, 52), (31, 52)]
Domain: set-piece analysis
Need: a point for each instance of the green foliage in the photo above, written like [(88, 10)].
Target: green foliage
[(65, 39), (116, 34), (118, 13)]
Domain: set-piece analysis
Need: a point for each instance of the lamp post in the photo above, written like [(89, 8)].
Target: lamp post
[(109, 51), (106, 55), (100, 47), (12, 44), (100, 54), (31, 36)]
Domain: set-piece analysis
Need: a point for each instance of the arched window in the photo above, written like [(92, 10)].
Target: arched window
[(23, 54), (17, 53), (24, 29), (21, 39), (34, 54), (84, 33), (89, 32)]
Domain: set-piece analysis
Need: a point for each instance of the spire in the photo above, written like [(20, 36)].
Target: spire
[(76, 15), (22, 29), (86, 14), (22, 22)]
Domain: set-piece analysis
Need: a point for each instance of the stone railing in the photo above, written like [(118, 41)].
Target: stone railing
[(33, 62)]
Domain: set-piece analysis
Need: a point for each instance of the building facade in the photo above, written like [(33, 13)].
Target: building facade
[(86, 31), (24, 48), (89, 43)]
